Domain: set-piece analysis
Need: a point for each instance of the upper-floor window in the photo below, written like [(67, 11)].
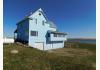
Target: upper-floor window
[(34, 33), (43, 23), (36, 21), (39, 14)]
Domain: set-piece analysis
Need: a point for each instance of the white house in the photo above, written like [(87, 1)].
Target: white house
[(39, 32)]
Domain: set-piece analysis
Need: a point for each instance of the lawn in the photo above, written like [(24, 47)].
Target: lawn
[(19, 57)]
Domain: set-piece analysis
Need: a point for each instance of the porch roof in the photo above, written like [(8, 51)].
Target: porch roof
[(56, 32)]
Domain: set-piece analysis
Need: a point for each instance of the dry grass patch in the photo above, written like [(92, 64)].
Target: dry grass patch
[(59, 59), (71, 52)]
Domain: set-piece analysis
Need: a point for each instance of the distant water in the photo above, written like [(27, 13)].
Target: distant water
[(89, 41)]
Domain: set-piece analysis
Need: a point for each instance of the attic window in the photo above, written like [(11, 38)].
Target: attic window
[(39, 13)]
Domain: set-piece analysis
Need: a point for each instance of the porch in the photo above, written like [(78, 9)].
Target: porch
[(56, 36)]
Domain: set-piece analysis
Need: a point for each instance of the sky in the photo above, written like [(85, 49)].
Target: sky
[(77, 18)]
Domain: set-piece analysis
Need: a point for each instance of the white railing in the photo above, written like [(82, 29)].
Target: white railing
[(52, 38)]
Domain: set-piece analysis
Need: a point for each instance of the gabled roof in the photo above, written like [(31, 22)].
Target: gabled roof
[(28, 16), (43, 13), (52, 25), (23, 20)]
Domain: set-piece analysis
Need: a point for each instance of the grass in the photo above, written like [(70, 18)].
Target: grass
[(33, 59), (91, 47)]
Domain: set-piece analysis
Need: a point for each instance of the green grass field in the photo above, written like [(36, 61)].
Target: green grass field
[(81, 57)]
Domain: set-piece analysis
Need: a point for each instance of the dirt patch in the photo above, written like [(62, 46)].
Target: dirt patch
[(14, 51)]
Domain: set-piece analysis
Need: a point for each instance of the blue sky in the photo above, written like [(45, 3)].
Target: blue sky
[(75, 17)]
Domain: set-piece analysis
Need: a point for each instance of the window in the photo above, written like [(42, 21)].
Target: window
[(63, 35), (59, 35), (43, 23), (34, 33), (55, 35), (36, 21), (39, 14)]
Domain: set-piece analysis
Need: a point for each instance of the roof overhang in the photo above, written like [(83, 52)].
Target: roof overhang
[(28, 16), (55, 32), (15, 31), (23, 20)]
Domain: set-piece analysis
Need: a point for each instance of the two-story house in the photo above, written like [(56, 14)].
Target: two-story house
[(36, 30)]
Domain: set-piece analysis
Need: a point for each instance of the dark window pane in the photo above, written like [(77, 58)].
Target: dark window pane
[(39, 13), (63, 35), (55, 35), (36, 21), (34, 33), (43, 22)]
